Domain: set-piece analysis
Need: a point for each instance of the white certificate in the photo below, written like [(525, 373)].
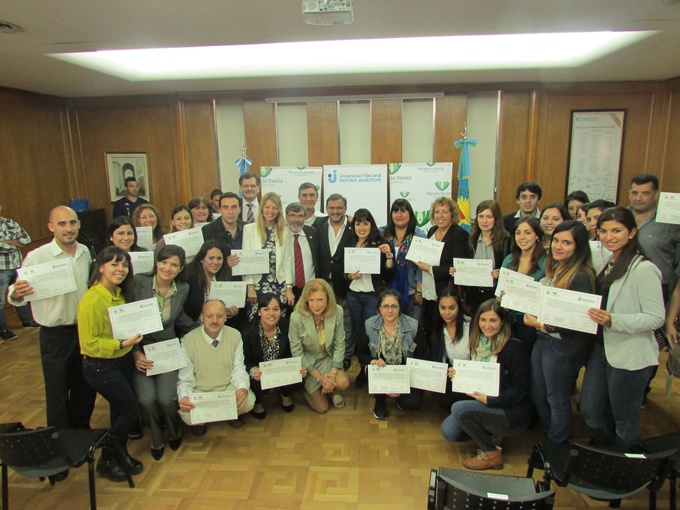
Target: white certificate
[(668, 210), (425, 250), (166, 356), (427, 375), (251, 262), (145, 237), (191, 240), (364, 260), (49, 279), (477, 376), (568, 309), (473, 273), (231, 293), (280, 372), (217, 406), (388, 379), (142, 261), (509, 273), (522, 296), (140, 317)]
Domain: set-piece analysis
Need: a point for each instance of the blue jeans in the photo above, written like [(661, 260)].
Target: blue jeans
[(611, 398), (7, 278), (112, 379), (470, 419), (362, 306), (552, 378)]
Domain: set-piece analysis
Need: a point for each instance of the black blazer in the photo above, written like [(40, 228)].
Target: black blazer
[(332, 266), (475, 296), (312, 235), (252, 347), (455, 246), (215, 230), (196, 295)]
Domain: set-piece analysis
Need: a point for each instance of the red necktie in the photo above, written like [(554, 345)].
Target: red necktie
[(299, 266)]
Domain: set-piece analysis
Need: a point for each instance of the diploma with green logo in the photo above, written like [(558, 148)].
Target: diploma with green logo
[(568, 309), (167, 356), (280, 372), (364, 260), (480, 376), (49, 279), (140, 317), (216, 406), (388, 379), (427, 375)]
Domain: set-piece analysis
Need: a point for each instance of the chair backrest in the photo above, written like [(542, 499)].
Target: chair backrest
[(616, 470), (28, 448), (460, 496)]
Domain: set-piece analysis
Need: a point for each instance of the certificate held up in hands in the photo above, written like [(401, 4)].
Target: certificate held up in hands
[(140, 317), (425, 250), (280, 372), (251, 262), (476, 376), (568, 309), (473, 272), (191, 240), (427, 375), (145, 237), (388, 379), (166, 356), (230, 293), (218, 406), (49, 279), (142, 261), (364, 260)]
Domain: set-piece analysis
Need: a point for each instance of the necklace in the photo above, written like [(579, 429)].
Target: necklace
[(610, 266), (319, 324)]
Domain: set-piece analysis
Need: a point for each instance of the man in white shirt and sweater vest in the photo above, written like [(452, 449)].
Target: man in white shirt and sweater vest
[(214, 363)]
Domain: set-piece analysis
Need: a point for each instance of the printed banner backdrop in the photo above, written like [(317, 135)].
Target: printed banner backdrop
[(286, 180), (420, 184), (362, 186)]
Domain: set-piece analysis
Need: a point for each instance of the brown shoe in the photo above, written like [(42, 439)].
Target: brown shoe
[(485, 460)]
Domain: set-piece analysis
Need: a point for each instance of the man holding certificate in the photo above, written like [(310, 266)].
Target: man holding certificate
[(214, 363), (510, 412)]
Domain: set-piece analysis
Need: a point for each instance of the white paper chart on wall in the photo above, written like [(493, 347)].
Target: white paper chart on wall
[(595, 153)]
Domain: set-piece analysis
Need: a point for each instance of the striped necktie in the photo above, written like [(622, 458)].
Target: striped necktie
[(299, 266), (251, 215)]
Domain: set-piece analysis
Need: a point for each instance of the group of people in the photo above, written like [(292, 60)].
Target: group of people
[(308, 306)]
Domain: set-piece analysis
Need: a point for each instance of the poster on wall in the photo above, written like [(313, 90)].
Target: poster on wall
[(286, 180), (120, 166), (362, 186), (595, 151), (421, 184)]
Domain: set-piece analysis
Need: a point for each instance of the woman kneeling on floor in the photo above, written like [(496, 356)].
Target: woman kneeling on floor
[(510, 412)]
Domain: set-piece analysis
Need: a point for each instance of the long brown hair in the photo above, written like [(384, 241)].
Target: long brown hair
[(539, 250), (503, 336), (498, 232), (632, 249), (581, 259)]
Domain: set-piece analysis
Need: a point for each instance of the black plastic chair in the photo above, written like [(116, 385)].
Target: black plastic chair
[(452, 488), (602, 474), (661, 444), (47, 451)]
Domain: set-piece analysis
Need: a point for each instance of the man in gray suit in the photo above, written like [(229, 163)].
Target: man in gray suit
[(302, 250)]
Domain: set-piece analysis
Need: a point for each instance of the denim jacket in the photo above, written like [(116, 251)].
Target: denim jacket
[(409, 328)]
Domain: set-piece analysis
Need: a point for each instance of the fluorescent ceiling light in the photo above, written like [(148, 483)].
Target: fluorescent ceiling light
[(449, 53)]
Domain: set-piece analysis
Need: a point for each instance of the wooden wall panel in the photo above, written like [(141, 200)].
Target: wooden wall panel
[(260, 134), (201, 148), (35, 159), (671, 169), (322, 129), (150, 129), (385, 131), (449, 122), (512, 158)]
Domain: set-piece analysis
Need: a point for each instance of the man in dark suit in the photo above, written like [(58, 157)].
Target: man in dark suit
[(301, 249), (335, 231), (227, 228)]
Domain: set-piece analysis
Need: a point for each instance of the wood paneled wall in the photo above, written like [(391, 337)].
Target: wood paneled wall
[(386, 115), (322, 129)]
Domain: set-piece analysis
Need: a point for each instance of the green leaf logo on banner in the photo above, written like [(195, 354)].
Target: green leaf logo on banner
[(318, 188), (265, 170), (442, 185), (393, 168), (301, 167), (422, 218), (404, 194), (430, 164)]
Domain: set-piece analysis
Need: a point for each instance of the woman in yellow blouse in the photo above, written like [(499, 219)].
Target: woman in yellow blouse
[(107, 364)]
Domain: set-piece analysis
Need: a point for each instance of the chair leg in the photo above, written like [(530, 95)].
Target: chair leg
[(5, 489), (93, 495), (652, 500), (121, 459), (673, 491)]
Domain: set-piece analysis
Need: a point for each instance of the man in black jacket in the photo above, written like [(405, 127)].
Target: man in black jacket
[(302, 244)]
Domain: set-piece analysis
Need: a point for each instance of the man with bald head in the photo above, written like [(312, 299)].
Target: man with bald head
[(214, 363), (69, 398)]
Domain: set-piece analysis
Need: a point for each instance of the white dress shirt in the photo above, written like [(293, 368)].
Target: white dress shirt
[(289, 255), (459, 350), (256, 209), (333, 238), (59, 310), (186, 381), (310, 221)]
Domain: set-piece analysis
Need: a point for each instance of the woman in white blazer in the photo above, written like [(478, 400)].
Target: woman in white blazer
[(267, 233), (625, 353)]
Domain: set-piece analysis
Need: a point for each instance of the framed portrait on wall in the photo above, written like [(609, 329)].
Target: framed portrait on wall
[(120, 166)]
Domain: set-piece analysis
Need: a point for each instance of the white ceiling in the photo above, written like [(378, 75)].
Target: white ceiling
[(87, 25)]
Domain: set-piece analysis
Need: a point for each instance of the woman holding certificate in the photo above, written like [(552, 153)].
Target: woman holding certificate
[(488, 241), (180, 220), (146, 215), (400, 230), (267, 233), (266, 339), (107, 364), (527, 257), (450, 340), (444, 214), (158, 393), (625, 353), (559, 353), (317, 335), (123, 234), (393, 338), (362, 294), (510, 412)]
